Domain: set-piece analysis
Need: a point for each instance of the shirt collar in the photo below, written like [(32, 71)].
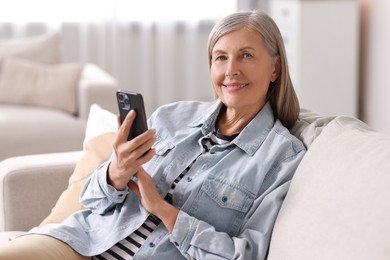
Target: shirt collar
[(251, 137)]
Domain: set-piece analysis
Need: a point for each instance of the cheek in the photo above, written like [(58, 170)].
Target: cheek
[(264, 77), (217, 75)]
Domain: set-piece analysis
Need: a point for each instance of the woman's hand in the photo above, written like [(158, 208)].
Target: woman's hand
[(130, 155), (152, 200)]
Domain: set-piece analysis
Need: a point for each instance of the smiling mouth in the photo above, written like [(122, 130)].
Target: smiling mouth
[(235, 86)]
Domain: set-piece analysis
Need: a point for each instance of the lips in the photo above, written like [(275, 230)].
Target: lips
[(234, 86)]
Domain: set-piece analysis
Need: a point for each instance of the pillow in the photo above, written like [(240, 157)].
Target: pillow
[(26, 82), (43, 48), (100, 133), (309, 126), (338, 204)]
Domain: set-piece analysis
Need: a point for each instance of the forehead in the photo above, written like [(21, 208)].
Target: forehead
[(240, 38)]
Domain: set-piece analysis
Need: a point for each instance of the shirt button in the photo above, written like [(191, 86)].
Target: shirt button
[(224, 199), (189, 179), (151, 244)]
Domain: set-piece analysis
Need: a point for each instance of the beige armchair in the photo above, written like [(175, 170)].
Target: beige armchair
[(33, 129), (30, 186), (44, 103)]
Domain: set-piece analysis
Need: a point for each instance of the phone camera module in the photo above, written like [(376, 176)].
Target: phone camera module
[(124, 101)]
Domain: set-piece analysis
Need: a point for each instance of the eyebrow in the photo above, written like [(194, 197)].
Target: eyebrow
[(246, 48), (241, 49)]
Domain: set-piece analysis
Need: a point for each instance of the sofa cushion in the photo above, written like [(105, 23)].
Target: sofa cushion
[(32, 130), (26, 82), (44, 48), (99, 136), (338, 203)]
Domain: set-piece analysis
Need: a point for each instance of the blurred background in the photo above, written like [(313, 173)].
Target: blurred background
[(338, 50)]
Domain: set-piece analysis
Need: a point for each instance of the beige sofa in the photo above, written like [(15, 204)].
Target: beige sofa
[(44, 102), (338, 205)]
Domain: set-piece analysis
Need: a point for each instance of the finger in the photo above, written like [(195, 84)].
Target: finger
[(132, 161), (146, 156), (146, 146), (143, 142), (130, 152), (124, 129)]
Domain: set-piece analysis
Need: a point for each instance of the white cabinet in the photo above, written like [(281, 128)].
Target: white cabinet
[(322, 45)]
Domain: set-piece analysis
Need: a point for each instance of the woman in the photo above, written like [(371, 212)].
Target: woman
[(213, 183)]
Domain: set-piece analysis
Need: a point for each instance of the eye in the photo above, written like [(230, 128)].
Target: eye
[(247, 55), (220, 58)]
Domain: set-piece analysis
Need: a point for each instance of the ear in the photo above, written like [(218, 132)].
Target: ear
[(276, 72)]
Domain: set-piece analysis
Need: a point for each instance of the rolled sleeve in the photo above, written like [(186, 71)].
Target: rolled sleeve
[(114, 195), (183, 231), (97, 195)]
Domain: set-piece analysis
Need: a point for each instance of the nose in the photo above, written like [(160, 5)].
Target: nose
[(232, 68)]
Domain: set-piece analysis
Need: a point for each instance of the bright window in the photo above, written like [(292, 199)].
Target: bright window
[(95, 10)]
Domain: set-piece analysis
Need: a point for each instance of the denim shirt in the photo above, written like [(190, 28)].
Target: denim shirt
[(228, 201)]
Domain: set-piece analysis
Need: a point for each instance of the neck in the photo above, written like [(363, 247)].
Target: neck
[(232, 122)]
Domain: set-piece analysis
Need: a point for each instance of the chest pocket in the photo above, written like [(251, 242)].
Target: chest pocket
[(223, 205), (162, 150), (163, 147)]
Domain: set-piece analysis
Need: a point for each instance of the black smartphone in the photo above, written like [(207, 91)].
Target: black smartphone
[(131, 100)]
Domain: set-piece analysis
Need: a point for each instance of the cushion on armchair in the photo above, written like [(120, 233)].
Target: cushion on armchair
[(44, 103), (24, 82), (43, 48)]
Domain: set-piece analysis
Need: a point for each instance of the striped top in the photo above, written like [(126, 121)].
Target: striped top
[(128, 247)]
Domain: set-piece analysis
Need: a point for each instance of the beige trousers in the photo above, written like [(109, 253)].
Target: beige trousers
[(38, 247)]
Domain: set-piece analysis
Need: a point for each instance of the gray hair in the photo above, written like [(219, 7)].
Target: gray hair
[(281, 93)]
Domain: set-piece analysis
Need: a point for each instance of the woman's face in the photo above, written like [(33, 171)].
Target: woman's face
[(241, 70)]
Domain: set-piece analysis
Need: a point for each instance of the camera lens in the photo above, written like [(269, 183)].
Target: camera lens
[(127, 101)]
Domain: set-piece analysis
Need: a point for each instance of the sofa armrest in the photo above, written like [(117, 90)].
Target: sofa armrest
[(96, 87), (30, 186)]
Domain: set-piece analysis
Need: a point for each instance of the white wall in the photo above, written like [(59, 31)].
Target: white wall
[(375, 64)]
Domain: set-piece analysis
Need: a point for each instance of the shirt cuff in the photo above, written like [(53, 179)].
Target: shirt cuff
[(183, 231), (114, 195)]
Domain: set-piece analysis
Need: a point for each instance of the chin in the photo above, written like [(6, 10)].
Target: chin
[(232, 103)]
